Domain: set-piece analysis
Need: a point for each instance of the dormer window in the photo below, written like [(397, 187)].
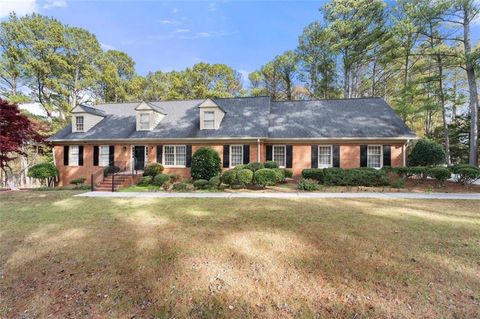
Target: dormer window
[(144, 121), (79, 123), (209, 120)]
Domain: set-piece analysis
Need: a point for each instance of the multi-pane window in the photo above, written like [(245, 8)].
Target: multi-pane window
[(325, 156), (236, 155), (144, 121), (374, 156), (104, 155), (279, 155), (209, 120), (79, 123), (73, 155), (175, 155)]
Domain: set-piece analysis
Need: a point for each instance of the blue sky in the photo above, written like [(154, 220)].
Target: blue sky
[(172, 35)]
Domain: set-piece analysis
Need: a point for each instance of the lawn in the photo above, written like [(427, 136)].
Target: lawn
[(106, 258)]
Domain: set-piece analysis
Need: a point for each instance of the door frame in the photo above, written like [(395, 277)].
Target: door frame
[(132, 150)]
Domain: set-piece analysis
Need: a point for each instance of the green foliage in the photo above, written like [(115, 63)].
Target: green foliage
[(229, 177), (175, 178), (254, 166), (426, 153), (180, 187), (239, 167), (205, 163), (153, 169), (110, 170), (80, 187), (317, 174), (398, 183), (466, 174), (439, 173), (355, 177), (166, 186), (280, 174), (45, 172), (161, 179), (78, 181), (307, 184), (270, 164), (287, 173), (145, 180), (244, 176), (201, 184), (265, 177), (215, 182)]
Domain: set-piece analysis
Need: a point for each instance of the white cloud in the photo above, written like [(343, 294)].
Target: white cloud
[(175, 10), (166, 21), (106, 46), (20, 7), (212, 6), (244, 74), (182, 30), (49, 4)]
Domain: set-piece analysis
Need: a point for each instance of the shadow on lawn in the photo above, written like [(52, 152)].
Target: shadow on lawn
[(224, 258)]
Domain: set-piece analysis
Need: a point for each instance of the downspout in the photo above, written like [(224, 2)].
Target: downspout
[(258, 150), (404, 155)]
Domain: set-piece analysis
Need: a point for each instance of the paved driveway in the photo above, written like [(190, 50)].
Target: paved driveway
[(475, 196)]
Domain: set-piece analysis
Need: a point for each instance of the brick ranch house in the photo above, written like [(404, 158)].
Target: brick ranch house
[(346, 133)]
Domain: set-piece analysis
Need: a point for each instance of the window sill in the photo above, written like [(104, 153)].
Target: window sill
[(174, 166)]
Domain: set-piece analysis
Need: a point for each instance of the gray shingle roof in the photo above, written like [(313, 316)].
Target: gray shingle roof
[(255, 117), (92, 110)]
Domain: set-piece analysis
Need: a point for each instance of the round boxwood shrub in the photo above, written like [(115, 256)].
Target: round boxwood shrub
[(280, 174), (265, 177), (161, 179), (288, 173), (270, 164), (145, 181), (180, 187), (244, 176), (215, 182), (45, 172), (466, 174), (426, 153), (229, 177), (317, 174), (205, 163), (439, 173), (153, 169), (239, 167), (78, 181), (201, 184), (307, 184), (254, 166)]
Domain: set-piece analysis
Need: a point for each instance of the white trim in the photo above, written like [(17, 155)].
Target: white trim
[(381, 155), (149, 124), (284, 155), (230, 155), (174, 156), (213, 120), (331, 156)]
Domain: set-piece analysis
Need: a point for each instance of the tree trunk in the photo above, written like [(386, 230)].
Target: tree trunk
[(472, 86)]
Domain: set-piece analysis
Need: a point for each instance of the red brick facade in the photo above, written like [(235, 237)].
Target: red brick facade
[(301, 157)]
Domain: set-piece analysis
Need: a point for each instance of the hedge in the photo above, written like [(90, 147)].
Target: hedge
[(347, 177), (153, 169), (201, 184), (254, 166), (307, 184), (265, 177), (244, 176), (439, 173), (314, 173), (270, 164), (466, 174), (161, 179)]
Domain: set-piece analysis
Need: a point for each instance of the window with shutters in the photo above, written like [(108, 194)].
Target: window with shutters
[(209, 120), (236, 155), (175, 155), (73, 155), (104, 155), (279, 155), (79, 123), (325, 156), (374, 156)]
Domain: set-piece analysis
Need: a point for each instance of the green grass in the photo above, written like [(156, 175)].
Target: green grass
[(137, 188), (64, 256)]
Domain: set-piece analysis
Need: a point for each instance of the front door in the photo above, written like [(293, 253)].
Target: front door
[(139, 157)]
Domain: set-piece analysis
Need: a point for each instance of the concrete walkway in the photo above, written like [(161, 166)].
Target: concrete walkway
[(475, 196)]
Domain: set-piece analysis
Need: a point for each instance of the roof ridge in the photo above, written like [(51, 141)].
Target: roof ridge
[(335, 99)]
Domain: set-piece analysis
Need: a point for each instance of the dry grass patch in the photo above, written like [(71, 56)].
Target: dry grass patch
[(62, 256)]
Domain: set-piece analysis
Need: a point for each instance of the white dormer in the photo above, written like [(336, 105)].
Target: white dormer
[(211, 115), (85, 117), (148, 116)]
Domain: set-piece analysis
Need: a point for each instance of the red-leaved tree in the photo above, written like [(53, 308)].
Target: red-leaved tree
[(16, 131)]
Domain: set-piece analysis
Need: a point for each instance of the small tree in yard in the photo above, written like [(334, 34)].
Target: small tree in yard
[(45, 172), (426, 153), (16, 131), (205, 163)]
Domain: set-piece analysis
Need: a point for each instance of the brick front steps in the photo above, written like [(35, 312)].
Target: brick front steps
[(120, 181)]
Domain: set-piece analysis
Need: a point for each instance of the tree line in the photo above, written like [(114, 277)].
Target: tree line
[(417, 54)]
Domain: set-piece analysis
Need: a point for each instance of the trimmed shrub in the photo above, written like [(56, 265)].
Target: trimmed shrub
[(308, 184), (410, 171), (265, 177), (215, 182), (441, 174), (201, 184), (239, 167), (280, 174), (355, 177), (317, 174), (244, 176), (160, 179), (398, 183), (334, 176), (174, 178), (110, 170), (45, 172), (205, 163), (466, 174), (153, 169), (288, 173), (166, 186), (145, 180), (270, 164), (426, 153), (229, 177), (78, 181), (180, 187), (254, 166)]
